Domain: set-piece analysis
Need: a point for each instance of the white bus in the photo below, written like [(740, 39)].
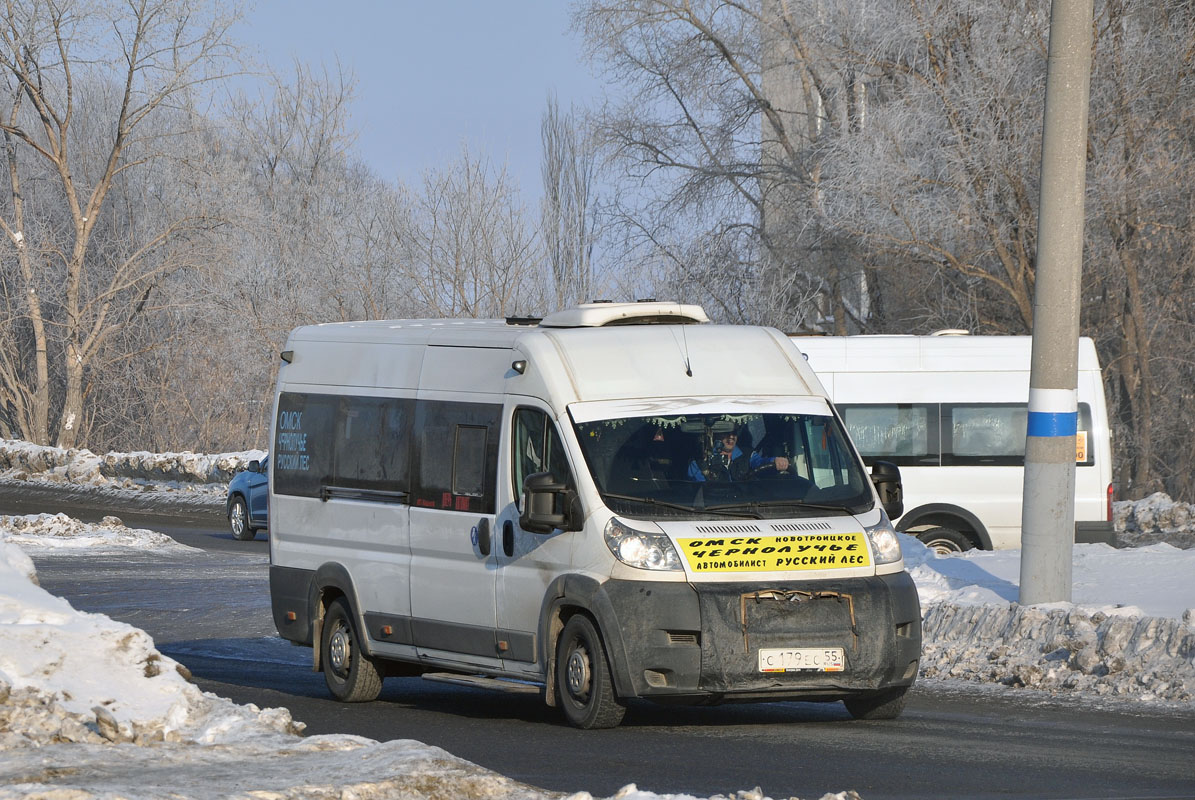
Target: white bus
[(618, 501), (950, 410)]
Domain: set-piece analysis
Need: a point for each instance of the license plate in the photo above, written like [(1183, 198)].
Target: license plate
[(801, 659)]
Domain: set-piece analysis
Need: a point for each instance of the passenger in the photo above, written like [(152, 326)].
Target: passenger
[(728, 463)]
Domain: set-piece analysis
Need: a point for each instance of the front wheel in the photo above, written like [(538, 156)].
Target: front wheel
[(881, 705), (238, 520), (945, 541), (351, 675), (583, 681)]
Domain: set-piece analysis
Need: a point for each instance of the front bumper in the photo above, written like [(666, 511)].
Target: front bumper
[(700, 642)]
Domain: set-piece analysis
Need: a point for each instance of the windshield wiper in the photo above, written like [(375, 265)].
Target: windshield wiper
[(651, 501), (757, 504)]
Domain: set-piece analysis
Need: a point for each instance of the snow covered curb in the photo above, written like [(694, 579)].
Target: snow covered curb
[(24, 461), (61, 531), (1156, 518), (70, 676), (1061, 649)]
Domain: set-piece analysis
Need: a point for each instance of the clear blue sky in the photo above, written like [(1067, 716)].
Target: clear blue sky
[(433, 74)]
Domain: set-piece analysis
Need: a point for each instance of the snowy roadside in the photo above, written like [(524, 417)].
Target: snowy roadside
[(89, 709), (166, 475)]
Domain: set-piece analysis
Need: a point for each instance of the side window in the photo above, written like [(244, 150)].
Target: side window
[(373, 447), (457, 455), (303, 455), (468, 461), (1084, 442), (327, 442), (536, 448), (904, 433), (984, 434)]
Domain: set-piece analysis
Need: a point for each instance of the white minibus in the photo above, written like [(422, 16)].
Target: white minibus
[(618, 501), (950, 410)]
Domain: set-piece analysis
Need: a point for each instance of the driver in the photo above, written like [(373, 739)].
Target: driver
[(728, 463)]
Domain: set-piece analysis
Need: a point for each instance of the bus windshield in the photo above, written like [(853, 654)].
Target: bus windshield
[(710, 465)]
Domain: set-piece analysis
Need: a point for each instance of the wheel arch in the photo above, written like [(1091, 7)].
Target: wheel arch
[(946, 515), (579, 594), (330, 583), (236, 494)]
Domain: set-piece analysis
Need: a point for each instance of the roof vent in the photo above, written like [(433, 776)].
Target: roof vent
[(597, 315)]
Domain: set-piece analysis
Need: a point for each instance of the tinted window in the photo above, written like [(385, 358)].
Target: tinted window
[(468, 461), (324, 442), (303, 443), (457, 457)]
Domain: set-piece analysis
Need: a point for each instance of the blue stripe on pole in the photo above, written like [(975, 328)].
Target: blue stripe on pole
[(1053, 423)]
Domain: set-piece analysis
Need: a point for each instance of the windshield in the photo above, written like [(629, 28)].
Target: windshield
[(694, 466)]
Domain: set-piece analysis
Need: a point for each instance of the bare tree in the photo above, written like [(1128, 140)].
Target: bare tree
[(470, 251), (566, 211), (715, 139), (68, 296)]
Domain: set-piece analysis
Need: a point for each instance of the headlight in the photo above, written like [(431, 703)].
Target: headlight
[(639, 548), (884, 540)]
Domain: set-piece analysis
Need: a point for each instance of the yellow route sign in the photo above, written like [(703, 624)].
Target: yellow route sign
[(776, 553)]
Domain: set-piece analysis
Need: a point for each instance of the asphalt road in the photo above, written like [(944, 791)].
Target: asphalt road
[(210, 611)]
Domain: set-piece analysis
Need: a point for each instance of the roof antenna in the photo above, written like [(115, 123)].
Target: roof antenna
[(685, 335)]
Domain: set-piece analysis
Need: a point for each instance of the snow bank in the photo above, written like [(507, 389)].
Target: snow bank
[(24, 461), (72, 676), (58, 531), (1156, 518), (1129, 634)]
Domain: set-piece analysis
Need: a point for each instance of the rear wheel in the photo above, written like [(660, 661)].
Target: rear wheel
[(881, 705), (945, 540), (351, 675), (583, 681), (238, 520)]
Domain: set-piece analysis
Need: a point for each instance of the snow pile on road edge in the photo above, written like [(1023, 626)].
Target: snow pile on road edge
[(24, 461), (56, 531), (1154, 519), (73, 676), (1061, 649)]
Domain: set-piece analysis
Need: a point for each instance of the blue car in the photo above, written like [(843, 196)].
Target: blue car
[(246, 503)]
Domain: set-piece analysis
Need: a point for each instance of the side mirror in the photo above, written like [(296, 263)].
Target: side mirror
[(549, 504), (886, 477), (254, 466)]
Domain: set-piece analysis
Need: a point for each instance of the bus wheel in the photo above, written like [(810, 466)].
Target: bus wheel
[(881, 705), (583, 681), (351, 675), (945, 540)]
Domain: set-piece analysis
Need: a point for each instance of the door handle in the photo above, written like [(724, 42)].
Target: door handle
[(508, 538)]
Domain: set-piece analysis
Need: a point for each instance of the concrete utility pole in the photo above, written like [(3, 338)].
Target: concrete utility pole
[(1048, 515)]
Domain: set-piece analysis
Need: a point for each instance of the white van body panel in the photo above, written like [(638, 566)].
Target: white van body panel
[(963, 369)]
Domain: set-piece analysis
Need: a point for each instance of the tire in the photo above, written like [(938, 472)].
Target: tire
[(583, 683), (351, 675), (238, 520), (881, 705), (945, 541)]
